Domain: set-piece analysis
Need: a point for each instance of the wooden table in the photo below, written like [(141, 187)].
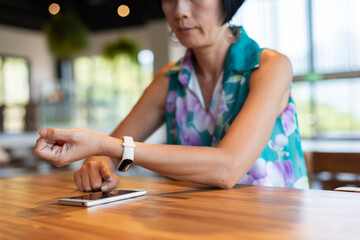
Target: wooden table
[(175, 210)]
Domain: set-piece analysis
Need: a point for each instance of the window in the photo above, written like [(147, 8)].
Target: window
[(336, 36), (279, 25), (106, 90), (14, 93), (323, 43), (103, 92)]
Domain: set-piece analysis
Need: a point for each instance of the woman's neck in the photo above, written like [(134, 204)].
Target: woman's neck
[(210, 60)]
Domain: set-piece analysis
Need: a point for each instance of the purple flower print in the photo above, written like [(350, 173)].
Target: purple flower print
[(281, 173), (170, 101), (219, 102), (189, 137), (288, 119), (181, 113), (286, 168), (277, 174), (263, 182), (247, 180), (280, 141), (278, 146), (258, 170), (184, 77), (285, 154), (202, 120), (192, 101), (186, 66)]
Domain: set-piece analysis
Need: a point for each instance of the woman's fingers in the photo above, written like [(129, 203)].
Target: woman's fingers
[(47, 150), (65, 146), (85, 181), (111, 180), (40, 145), (106, 172), (110, 184), (95, 178), (56, 134), (96, 175)]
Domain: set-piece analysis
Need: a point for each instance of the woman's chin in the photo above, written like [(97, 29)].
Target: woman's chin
[(190, 43)]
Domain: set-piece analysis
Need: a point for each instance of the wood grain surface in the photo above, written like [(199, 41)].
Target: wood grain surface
[(175, 210)]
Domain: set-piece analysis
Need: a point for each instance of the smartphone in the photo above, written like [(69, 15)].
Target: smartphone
[(348, 189), (97, 198)]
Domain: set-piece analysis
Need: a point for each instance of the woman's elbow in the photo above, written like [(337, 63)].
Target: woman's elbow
[(230, 176), (226, 184)]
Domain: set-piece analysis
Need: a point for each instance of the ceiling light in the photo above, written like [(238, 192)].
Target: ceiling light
[(54, 8), (123, 10)]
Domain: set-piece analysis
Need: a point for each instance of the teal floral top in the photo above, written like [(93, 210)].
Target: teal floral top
[(188, 122)]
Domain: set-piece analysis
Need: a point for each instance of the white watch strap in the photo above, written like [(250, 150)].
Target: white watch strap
[(128, 152)]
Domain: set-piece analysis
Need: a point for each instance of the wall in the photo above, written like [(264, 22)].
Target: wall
[(31, 45), (152, 36)]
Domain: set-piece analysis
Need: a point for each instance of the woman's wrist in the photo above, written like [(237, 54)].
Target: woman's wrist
[(112, 147)]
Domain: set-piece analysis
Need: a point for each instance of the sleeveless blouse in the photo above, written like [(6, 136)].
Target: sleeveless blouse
[(188, 122)]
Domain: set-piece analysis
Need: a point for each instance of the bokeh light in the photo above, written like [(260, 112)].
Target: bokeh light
[(123, 11), (54, 8)]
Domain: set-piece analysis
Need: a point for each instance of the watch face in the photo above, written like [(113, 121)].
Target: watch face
[(125, 165)]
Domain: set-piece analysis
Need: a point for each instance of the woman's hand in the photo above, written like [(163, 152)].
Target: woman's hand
[(97, 173), (66, 146)]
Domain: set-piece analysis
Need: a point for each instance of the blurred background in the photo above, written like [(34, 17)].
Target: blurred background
[(85, 63)]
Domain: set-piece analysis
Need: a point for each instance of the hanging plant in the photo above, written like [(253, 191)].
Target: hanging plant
[(122, 46), (66, 35)]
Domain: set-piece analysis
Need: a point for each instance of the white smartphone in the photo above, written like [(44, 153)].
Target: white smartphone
[(348, 189), (97, 198)]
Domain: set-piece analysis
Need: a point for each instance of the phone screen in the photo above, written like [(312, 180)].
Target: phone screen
[(101, 195)]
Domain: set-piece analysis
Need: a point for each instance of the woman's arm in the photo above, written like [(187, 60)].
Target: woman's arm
[(246, 138), (224, 165)]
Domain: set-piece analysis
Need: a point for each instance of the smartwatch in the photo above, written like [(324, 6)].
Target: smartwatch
[(128, 154)]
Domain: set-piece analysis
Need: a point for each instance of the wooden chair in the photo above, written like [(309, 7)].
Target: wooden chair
[(334, 163)]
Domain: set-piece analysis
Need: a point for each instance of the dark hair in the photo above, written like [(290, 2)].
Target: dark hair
[(231, 7)]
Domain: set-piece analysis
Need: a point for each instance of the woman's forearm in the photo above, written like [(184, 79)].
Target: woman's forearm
[(206, 165)]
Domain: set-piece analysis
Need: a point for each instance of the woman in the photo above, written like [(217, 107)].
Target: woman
[(227, 98)]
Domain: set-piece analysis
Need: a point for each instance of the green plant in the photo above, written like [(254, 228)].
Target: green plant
[(66, 35), (122, 46), (313, 77)]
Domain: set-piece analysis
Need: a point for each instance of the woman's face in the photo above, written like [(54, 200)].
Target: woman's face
[(196, 23)]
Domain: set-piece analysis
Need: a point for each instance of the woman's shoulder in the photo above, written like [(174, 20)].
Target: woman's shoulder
[(270, 56), (274, 66), (161, 74)]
